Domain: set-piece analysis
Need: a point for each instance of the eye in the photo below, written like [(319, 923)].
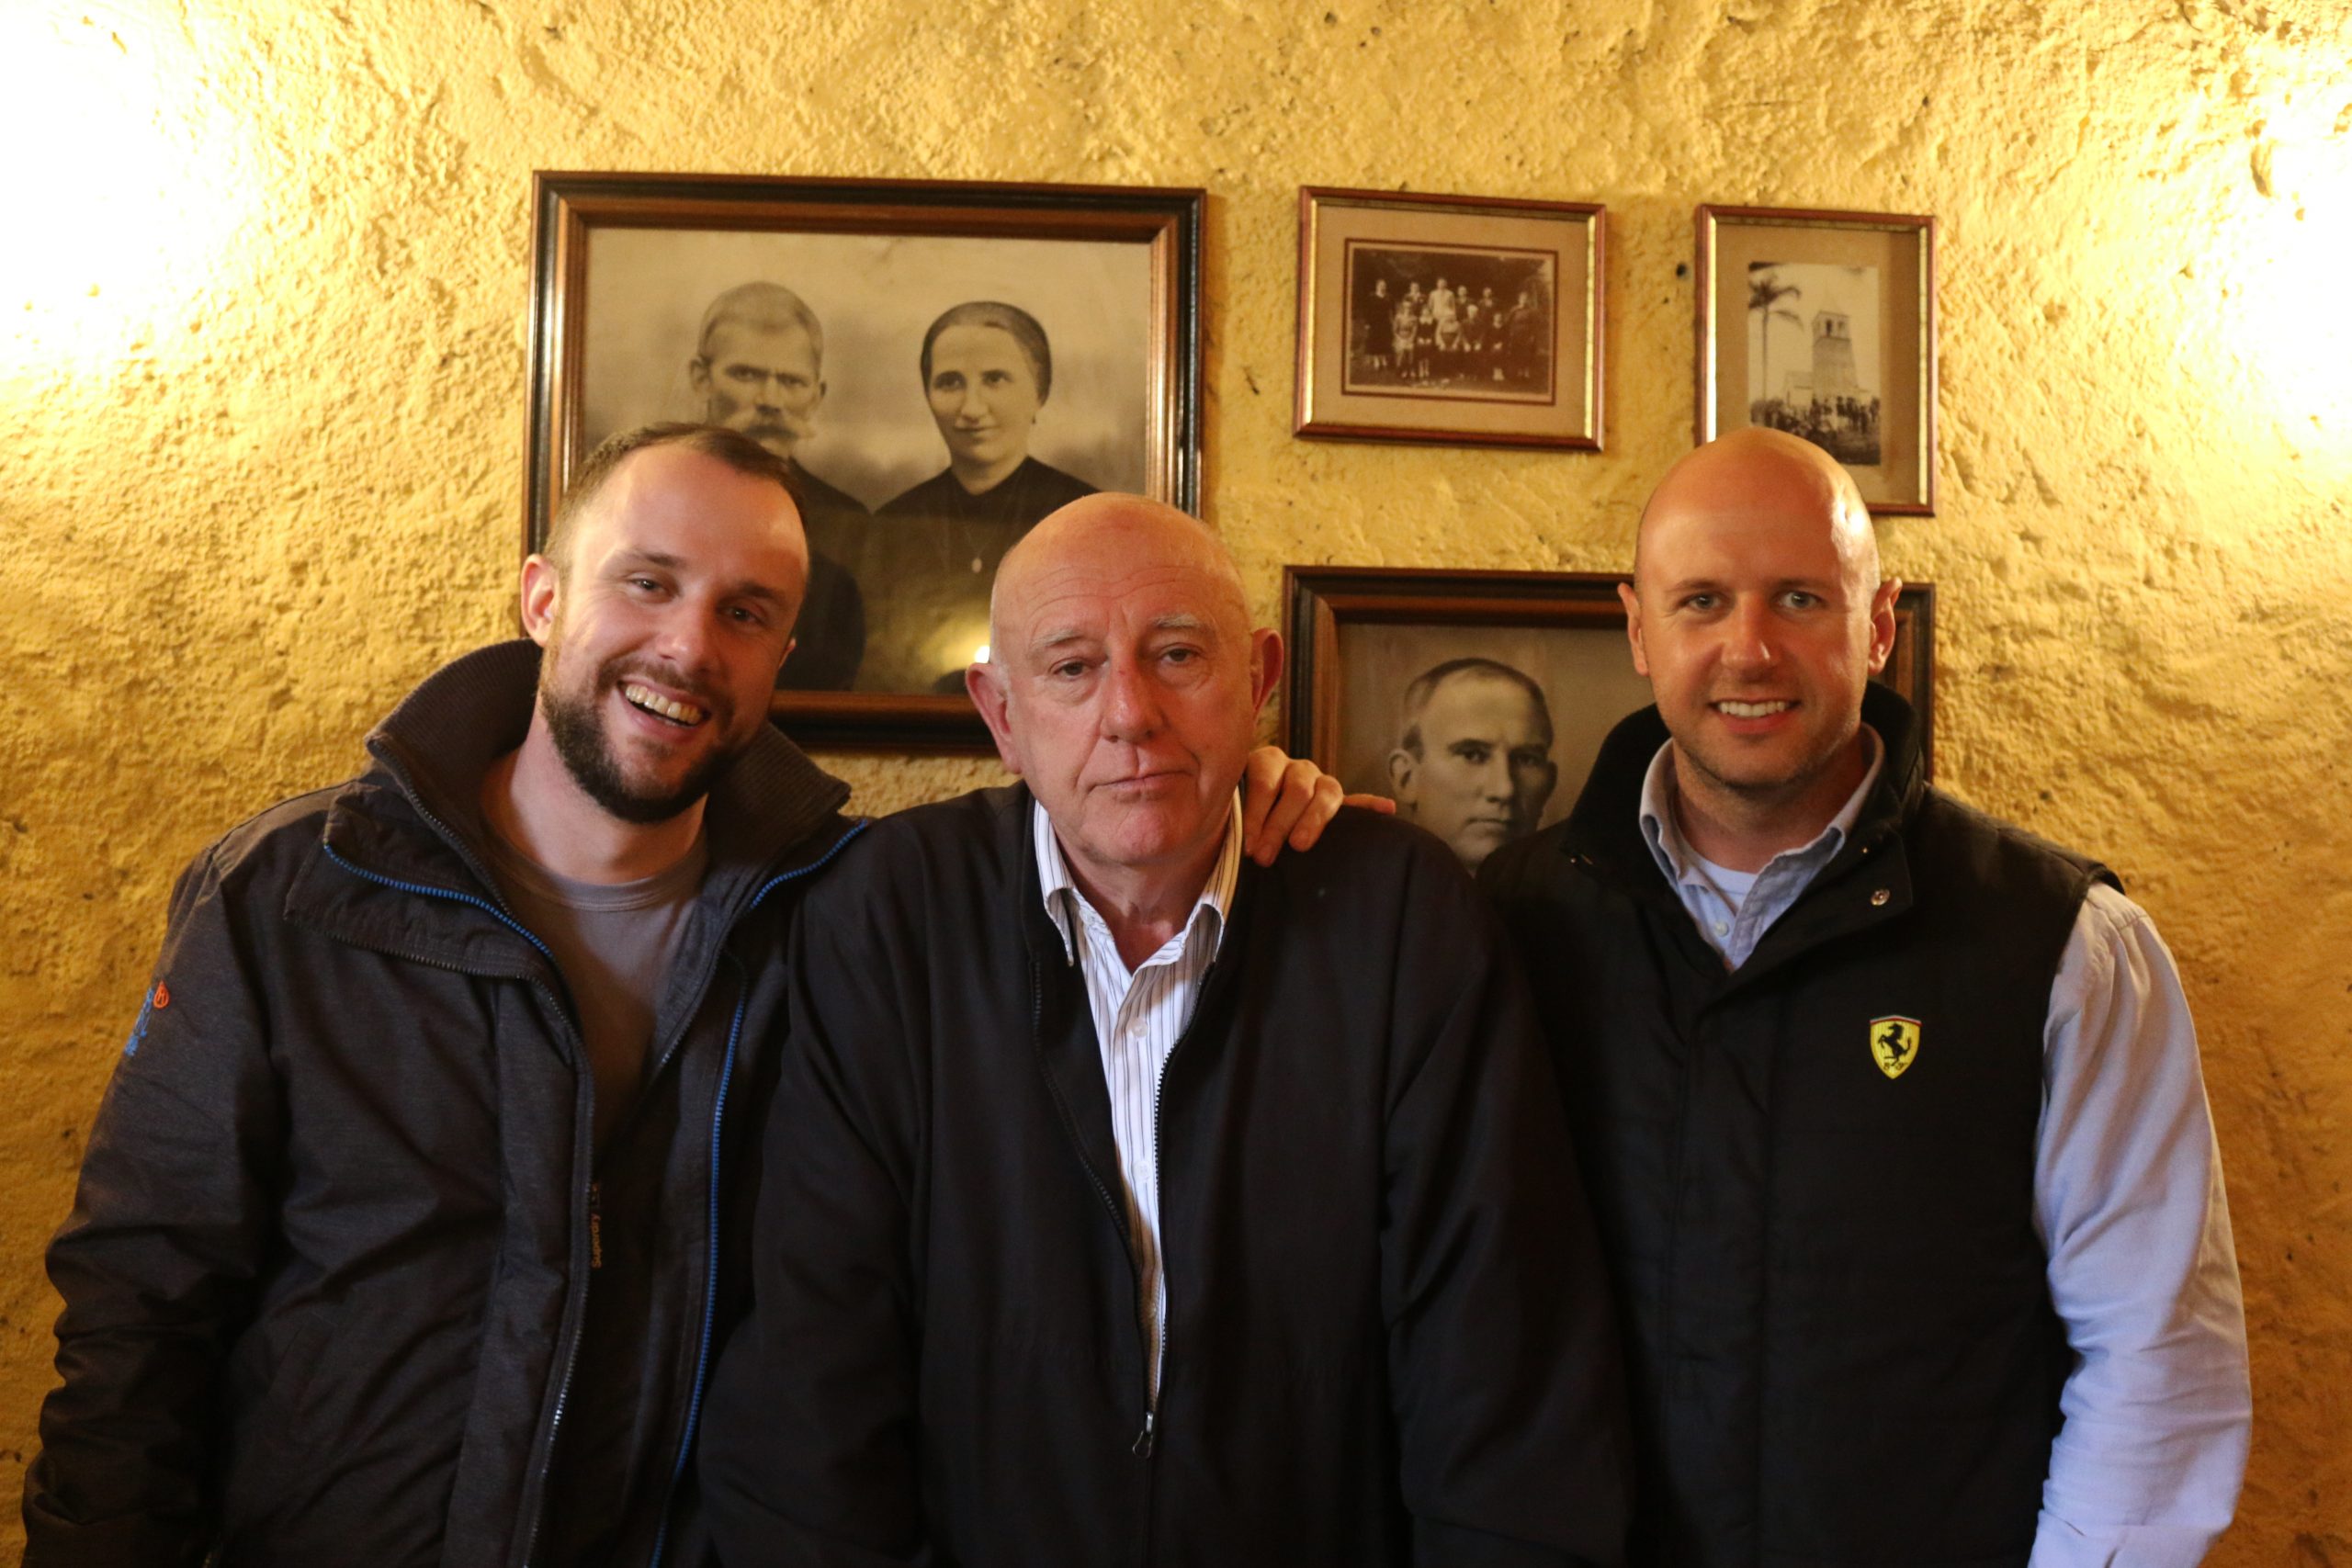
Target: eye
[(1700, 602), (1799, 599)]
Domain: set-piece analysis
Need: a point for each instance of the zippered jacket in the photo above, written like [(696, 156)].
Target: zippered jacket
[(333, 1249), (1386, 1338)]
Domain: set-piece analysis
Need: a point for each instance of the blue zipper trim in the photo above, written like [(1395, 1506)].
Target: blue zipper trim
[(710, 1276), (424, 890)]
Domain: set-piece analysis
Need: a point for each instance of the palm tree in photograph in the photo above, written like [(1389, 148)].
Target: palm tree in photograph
[(1765, 292)]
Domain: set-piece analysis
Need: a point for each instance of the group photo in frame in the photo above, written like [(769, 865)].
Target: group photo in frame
[(942, 363), (1478, 700), (1457, 321), (1823, 324)]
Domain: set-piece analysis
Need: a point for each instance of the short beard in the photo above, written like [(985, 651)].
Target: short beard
[(587, 755)]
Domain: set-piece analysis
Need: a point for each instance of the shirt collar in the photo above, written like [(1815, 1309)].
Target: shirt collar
[(1063, 900), (1674, 856)]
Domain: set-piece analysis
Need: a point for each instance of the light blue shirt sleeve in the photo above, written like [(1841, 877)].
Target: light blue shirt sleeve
[(2127, 1196)]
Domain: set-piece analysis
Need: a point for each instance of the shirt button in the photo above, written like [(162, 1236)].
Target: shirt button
[(1880, 897), (1722, 930)]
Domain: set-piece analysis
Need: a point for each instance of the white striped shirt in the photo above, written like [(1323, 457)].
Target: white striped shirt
[(1137, 1019)]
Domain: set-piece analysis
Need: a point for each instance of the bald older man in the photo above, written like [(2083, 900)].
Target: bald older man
[(1129, 1202), (1890, 1112)]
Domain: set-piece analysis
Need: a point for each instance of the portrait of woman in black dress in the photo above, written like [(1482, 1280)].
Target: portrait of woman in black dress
[(931, 552)]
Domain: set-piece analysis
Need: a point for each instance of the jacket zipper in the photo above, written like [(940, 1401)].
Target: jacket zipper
[(563, 1009), (717, 1123), (1142, 1446), (1148, 1437)]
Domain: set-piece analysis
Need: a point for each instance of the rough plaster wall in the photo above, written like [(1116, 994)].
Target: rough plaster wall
[(262, 444)]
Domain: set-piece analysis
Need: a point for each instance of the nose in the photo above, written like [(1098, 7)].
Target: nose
[(771, 393), (1494, 778), (971, 410), (1749, 641), (687, 637), (1130, 706)]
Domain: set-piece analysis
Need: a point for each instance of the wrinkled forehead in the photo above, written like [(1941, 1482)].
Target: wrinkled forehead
[(1104, 597), (1482, 705), (761, 342)]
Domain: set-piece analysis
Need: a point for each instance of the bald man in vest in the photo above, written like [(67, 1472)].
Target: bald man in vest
[(1891, 1112)]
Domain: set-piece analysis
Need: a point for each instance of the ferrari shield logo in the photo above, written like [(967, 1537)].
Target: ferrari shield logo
[(1895, 1043)]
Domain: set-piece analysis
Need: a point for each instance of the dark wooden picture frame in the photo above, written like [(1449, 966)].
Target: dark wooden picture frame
[(1508, 346), (1869, 394), (961, 241), (1494, 614)]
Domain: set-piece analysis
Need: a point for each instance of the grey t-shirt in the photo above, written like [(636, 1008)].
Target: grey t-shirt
[(613, 942)]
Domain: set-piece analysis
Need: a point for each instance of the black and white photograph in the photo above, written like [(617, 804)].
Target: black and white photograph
[(936, 393), (1451, 321), (1480, 734), (1455, 321), (1812, 366), (1823, 324)]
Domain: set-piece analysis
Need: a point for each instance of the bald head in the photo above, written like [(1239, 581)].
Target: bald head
[(1103, 532), (1123, 683), (1759, 471), (1758, 614)]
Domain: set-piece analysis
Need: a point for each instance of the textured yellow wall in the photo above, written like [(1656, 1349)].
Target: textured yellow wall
[(262, 302)]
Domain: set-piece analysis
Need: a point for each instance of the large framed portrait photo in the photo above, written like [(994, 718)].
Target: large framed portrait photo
[(1478, 700), (942, 363), (1823, 324), (1458, 320)]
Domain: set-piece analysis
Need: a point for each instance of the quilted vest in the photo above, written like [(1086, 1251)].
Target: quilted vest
[(1814, 1175)]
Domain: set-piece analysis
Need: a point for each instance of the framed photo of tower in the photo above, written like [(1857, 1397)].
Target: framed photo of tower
[(1823, 324), (1459, 321)]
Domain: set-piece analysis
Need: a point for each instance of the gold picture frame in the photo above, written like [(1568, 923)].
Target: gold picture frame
[(1824, 323), (1456, 320)]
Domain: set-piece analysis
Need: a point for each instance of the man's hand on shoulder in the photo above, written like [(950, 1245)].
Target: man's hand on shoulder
[(1289, 800)]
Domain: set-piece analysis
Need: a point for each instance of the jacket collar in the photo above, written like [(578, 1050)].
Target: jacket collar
[(1603, 832), (414, 819)]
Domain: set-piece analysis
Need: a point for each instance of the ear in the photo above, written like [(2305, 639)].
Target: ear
[(1401, 764), (1265, 666), (1882, 622), (698, 376), (542, 594), (1633, 602), (986, 683)]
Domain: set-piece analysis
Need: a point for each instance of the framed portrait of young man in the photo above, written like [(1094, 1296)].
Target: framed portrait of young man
[(941, 362)]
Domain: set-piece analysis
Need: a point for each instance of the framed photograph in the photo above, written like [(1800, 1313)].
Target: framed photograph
[(1824, 323), (942, 363), (1479, 699), (1461, 321)]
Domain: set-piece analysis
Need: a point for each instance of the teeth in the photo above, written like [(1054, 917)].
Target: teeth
[(654, 702), (1753, 710)]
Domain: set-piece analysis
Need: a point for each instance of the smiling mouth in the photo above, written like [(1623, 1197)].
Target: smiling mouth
[(685, 715), (1753, 710)]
